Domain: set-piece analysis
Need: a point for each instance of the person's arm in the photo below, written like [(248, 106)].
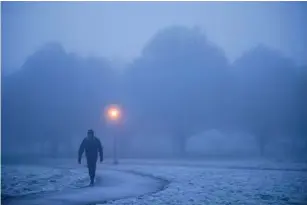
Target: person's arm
[(81, 150), (100, 150)]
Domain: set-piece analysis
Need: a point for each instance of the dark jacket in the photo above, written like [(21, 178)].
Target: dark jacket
[(91, 147)]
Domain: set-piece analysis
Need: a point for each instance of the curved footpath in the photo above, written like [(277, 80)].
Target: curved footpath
[(110, 185)]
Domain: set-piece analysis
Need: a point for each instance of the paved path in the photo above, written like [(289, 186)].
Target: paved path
[(110, 185)]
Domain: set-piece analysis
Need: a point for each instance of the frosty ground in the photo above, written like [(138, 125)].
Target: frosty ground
[(157, 182)]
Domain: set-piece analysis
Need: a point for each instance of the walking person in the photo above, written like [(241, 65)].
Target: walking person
[(92, 146)]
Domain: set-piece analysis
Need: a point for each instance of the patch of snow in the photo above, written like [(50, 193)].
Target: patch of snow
[(110, 185), (19, 181), (197, 185)]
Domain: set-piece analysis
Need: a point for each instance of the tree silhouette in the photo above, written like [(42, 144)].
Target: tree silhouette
[(178, 83), (54, 96), (267, 94)]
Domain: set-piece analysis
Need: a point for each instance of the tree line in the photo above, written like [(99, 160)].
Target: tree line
[(181, 85)]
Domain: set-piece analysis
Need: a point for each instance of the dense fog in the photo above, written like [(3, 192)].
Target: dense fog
[(181, 97)]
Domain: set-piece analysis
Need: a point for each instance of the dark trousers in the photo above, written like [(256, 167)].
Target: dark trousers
[(91, 165)]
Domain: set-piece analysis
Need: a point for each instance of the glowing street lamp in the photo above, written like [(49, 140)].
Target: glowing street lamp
[(113, 115)]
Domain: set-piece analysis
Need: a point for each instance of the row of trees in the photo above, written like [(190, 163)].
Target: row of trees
[(185, 83), (54, 97), (181, 85)]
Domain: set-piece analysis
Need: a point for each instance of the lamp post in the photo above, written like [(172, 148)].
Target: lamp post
[(113, 115)]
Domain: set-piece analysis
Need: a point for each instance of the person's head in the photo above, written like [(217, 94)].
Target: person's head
[(90, 133)]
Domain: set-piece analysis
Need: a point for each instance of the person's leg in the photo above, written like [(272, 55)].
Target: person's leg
[(94, 169), (90, 170)]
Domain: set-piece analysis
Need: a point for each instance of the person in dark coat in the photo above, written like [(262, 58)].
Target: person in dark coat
[(92, 146)]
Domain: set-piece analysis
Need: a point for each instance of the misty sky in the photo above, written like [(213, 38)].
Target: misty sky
[(119, 30)]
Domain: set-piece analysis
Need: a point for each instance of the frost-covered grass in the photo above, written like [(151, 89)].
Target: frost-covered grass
[(205, 185), (264, 164), (24, 180), (190, 182)]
